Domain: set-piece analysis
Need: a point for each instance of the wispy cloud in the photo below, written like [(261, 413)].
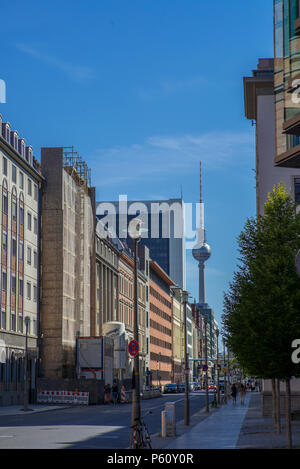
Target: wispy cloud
[(161, 156), (76, 73), (164, 88)]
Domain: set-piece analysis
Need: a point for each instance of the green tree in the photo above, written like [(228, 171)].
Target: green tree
[(262, 306)]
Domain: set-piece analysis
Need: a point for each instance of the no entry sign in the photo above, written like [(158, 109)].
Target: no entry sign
[(133, 348)]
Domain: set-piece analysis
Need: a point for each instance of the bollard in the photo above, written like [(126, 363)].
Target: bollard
[(171, 422), (163, 423)]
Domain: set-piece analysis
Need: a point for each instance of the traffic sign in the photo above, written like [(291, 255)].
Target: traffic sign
[(133, 348)]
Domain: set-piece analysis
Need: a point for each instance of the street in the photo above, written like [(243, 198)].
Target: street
[(92, 427)]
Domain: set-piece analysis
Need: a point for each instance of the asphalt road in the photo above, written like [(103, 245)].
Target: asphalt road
[(92, 427)]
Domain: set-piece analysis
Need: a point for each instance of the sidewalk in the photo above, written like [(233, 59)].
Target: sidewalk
[(231, 427), (32, 409), (258, 432), (219, 430)]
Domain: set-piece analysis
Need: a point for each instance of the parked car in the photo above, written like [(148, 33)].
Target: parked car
[(170, 388), (195, 386), (212, 387)]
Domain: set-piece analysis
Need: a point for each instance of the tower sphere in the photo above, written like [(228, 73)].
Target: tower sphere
[(202, 253)]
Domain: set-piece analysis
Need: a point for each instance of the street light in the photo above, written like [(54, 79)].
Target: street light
[(158, 369), (135, 232), (218, 373), (185, 297), (225, 385), (206, 367), (27, 320)]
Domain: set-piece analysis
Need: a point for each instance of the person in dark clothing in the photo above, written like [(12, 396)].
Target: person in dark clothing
[(115, 393), (233, 393)]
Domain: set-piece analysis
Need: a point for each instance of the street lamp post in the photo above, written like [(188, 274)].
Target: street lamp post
[(158, 369), (206, 367), (135, 232), (225, 390), (218, 373), (27, 319), (186, 358), (136, 405)]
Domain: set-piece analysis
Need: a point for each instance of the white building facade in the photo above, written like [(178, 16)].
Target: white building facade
[(20, 186)]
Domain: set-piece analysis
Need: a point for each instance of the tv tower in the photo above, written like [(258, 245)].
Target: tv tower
[(201, 251)]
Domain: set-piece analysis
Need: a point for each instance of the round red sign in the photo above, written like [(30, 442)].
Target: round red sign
[(133, 348)]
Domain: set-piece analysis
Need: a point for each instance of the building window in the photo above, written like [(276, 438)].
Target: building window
[(35, 227), (29, 255), (4, 281), (29, 187), (14, 248), (21, 215), (3, 319), (34, 293), (14, 174), (21, 251), (4, 241), (35, 259), (21, 180), (13, 284), (14, 209), (35, 192), (4, 166), (28, 291), (29, 221), (5, 203), (21, 287)]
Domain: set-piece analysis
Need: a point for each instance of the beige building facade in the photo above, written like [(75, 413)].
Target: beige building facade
[(68, 260)]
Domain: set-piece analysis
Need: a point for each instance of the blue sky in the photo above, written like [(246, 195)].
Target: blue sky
[(144, 90)]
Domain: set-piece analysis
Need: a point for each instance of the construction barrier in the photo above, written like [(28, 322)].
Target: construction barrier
[(63, 397), (123, 395)]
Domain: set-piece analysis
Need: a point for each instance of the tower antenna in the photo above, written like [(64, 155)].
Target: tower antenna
[(200, 182)]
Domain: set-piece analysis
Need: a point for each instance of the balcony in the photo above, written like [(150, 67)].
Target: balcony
[(289, 159), (292, 125), (297, 26)]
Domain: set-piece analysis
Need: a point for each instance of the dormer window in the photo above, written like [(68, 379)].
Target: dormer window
[(7, 136), (29, 154), (14, 140), (21, 148)]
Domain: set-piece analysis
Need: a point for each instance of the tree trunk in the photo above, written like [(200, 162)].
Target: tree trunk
[(278, 406), (274, 402), (288, 413)]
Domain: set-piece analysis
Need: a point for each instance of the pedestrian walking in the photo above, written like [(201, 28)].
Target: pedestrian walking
[(115, 393), (242, 393), (233, 393), (107, 392)]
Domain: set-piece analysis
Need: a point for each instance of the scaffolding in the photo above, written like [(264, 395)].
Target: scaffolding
[(73, 160)]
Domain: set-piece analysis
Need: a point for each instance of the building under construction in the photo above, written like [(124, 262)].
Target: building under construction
[(68, 260)]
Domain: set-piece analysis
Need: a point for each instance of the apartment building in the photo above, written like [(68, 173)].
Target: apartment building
[(126, 308), (107, 281), (178, 357), (161, 334), (20, 214)]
